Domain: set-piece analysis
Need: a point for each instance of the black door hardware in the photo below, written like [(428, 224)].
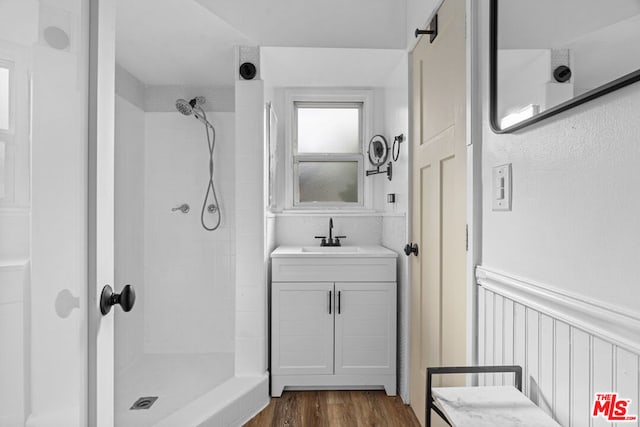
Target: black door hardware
[(411, 248), (126, 299), (339, 293)]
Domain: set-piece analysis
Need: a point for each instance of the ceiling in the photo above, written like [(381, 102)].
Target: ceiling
[(316, 23), (544, 24), (190, 42), (325, 67), (175, 42)]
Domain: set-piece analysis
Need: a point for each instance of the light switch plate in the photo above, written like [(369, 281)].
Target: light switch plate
[(501, 195)]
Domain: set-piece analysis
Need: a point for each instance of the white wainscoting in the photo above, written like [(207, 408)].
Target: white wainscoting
[(570, 347)]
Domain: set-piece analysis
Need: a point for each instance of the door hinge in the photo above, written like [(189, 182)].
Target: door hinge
[(466, 232)]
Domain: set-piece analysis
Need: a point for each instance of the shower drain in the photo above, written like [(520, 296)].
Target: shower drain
[(144, 402)]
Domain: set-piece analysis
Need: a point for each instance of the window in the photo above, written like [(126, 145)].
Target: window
[(326, 153)]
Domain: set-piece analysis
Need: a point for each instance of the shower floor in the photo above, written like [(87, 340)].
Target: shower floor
[(176, 379)]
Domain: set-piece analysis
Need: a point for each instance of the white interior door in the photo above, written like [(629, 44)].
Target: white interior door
[(438, 295), (45, 303)]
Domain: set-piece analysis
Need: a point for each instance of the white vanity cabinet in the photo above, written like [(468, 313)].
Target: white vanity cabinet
[(333, 319)]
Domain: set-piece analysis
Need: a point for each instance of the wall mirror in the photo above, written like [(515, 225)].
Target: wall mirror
[(550, 55)]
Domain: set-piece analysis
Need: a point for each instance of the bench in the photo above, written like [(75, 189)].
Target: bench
[(490, 406)]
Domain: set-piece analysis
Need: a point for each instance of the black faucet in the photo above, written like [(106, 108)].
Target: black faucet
[(331, 241), (330, 231)]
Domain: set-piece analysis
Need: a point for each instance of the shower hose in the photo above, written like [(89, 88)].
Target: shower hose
[(211, 189)]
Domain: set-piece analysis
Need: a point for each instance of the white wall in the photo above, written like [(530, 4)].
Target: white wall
[(189, 273), (129, 228), (396, 122), (574, 219), (573, 228), (394, 225), (15, 240), (251, 290)]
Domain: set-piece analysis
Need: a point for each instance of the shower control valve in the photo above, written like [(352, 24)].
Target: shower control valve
[(184, 208)]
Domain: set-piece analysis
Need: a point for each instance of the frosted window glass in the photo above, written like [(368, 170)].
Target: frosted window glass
[(4, 98), (328, 130), (328, 182)]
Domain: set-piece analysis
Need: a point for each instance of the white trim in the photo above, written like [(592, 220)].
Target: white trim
[(328, 95), (610, 323), (102, 27), (474, 175), (10, 66), (409, 221), (13, 264)]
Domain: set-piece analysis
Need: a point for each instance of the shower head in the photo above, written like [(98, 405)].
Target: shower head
[(194, 108), (186, 107)]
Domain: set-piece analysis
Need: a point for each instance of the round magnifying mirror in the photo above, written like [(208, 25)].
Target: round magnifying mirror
[(378, 150)]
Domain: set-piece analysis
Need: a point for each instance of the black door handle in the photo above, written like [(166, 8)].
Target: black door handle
[(411, 248), (126, 299)]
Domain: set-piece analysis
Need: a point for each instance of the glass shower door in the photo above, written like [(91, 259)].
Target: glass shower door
[(44, 80)]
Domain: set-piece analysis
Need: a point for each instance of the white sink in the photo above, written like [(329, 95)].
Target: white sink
[(330, 249), (333, 252)]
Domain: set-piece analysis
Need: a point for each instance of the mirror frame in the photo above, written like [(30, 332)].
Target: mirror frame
[(613, 85)]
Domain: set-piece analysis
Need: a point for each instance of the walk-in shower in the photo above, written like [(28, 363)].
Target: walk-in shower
[(194, 107), (178, 343)]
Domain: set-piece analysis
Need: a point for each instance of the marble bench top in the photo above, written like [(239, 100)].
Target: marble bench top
[(490, 407)]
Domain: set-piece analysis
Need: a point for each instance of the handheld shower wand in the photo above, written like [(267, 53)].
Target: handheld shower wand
[(194, 107)]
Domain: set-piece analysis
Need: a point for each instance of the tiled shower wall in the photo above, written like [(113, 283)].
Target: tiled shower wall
[(189, 272), (184, 276)]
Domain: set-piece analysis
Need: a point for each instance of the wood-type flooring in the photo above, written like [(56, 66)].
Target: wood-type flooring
[(335, 409)]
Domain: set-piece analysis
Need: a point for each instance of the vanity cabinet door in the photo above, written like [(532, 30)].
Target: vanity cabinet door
[(365, 329), (302, 328)]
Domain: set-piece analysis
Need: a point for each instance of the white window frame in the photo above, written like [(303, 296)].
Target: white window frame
[(9, 65), (8, 138), (362, 98)]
